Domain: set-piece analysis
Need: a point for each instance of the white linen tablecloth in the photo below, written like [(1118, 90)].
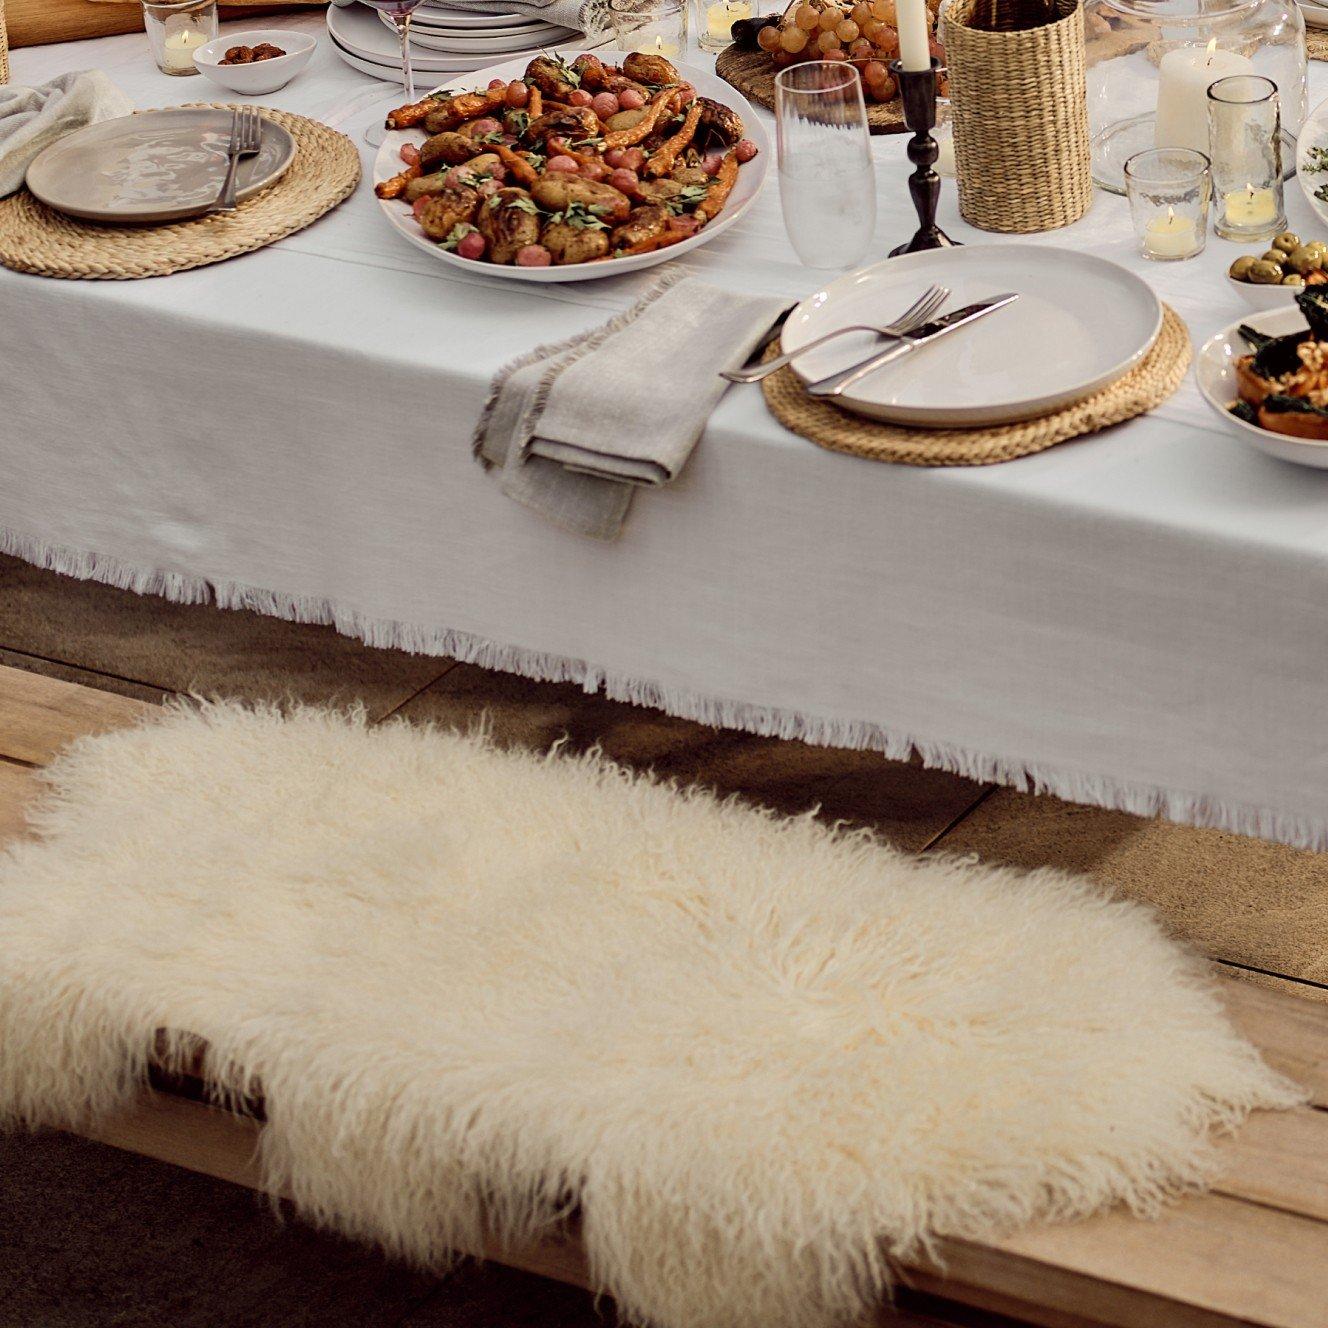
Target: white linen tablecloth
[(1138, 620)]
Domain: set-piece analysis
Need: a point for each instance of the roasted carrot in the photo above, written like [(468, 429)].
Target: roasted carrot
[(662, 161), (660, 105), (396, 186), (720, 188), (407, 117), (535, 106), (517, 166)]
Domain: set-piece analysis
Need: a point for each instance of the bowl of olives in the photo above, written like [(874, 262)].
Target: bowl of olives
[(1275, 277)]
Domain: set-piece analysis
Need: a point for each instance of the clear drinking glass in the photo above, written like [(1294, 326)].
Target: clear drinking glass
[(175, 31), (400, 12), (656, 27), (827, 186), (1169, 189), (1245, 144)]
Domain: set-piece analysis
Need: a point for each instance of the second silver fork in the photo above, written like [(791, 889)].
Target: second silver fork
[(917, 313), (246, 141)]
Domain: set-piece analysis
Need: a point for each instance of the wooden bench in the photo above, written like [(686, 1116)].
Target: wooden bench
[(1253, 1252)]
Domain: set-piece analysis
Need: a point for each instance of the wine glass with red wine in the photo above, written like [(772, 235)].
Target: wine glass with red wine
[(400, 12)]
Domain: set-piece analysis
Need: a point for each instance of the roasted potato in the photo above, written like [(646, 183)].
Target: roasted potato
[(456, 203), (659, 191), (652, 69), (590, 70), (448, 149), (719, 122), (626, 119), (508, 221), (426, 184), (574, 244), (557, 191), (646, 223)]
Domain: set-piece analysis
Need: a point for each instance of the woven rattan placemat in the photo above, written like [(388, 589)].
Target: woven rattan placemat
[(1316, 43), (35, 238), (1150, 383), (754, 76)]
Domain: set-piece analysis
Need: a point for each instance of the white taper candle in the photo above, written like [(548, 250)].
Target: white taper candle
[(914, 52)]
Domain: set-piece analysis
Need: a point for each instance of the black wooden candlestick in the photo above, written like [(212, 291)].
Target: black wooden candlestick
[(917, 90)]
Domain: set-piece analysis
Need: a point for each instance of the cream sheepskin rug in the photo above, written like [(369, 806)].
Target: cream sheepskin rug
[(759, 1057)]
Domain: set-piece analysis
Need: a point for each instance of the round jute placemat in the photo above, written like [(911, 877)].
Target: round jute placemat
[(754, 76), (1147, 385), (1316, 43), (35, 238)]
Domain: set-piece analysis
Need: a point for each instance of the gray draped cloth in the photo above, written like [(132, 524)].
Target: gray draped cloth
[(31, 119), (573, 430)]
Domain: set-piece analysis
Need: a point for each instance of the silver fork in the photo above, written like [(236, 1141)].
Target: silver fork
[(918, 312), (246, 140)]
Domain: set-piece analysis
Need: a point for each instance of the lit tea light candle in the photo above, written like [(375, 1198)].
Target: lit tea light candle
[(657, 45), (723, 14), (1171, 237), (178, 49), (1250, 207), (1184, 77)]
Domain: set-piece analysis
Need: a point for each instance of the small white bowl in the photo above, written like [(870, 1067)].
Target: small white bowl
[(1265, 297), (263, 76)]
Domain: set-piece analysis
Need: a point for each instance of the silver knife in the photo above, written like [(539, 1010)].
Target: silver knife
[(928, 332)]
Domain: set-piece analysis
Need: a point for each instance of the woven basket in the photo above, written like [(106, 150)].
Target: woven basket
[(1020, 110), (4, 46)]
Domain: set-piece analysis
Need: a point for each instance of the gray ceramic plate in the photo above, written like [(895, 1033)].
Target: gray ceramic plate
[(152, 167)]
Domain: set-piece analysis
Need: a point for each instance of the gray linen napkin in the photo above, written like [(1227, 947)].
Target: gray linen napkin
[(573, 429), (33, 118)]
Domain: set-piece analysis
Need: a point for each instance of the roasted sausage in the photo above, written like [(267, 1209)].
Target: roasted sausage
[(508, 221)]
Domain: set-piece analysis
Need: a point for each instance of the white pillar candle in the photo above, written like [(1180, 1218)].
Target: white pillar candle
[(914, 53), (1184, 77)]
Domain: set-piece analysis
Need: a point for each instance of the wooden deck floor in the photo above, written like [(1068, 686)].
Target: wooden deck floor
[(1254, 1252)]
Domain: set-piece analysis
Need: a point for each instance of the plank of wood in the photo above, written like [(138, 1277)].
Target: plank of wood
[(1291, 1032), (40, 715), (18, 783), (1280, 1159)]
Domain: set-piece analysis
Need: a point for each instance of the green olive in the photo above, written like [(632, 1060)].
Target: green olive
[(1292, 279), (1240, 269), (1305, 259), (1264, 273), (1273, 256), (1287, 241)]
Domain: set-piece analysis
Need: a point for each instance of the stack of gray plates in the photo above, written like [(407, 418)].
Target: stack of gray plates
[(444, 40)]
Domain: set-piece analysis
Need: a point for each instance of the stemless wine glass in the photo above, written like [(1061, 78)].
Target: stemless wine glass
[(827, 186), (400, 12)]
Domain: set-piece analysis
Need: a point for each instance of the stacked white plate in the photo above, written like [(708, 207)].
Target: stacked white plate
[(443, 40), (1316, 15)]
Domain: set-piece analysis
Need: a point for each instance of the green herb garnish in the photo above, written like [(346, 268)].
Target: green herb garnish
[(456, 235)]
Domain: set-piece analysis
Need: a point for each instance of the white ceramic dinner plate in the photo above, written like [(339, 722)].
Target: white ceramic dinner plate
[(1313, 135), (1316, 16), (155, 166), (367, 45), (750, 179), (1216, 373), (1080, 323), (442, 15), (491, 45)]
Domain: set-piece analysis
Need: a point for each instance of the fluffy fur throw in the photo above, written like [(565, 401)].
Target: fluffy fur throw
[(483, 988)]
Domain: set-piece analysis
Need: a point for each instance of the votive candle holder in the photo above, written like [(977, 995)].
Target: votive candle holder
[(176, 31), (713, 21), (1245, 146), (1169, 191), (653, 27)]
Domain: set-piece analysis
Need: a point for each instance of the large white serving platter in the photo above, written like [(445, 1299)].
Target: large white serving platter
[(1080, 323), (155, 166), (1216, 374), (750, 179), (1313, 134)]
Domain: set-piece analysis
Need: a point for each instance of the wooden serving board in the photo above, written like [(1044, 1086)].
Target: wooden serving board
[(753, 74)]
